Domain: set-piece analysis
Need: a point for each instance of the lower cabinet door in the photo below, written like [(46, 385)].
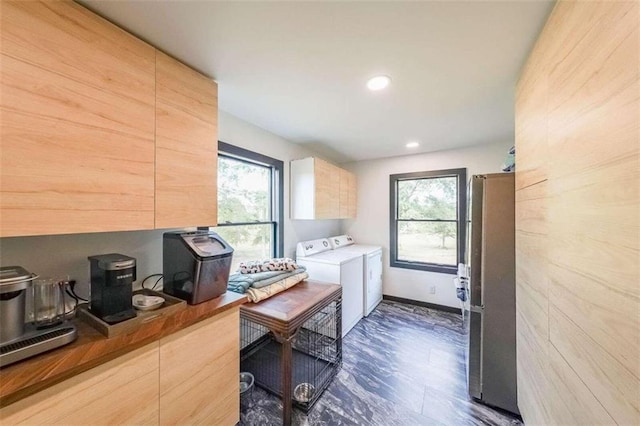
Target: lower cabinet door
[(122, 391), (199, 373)]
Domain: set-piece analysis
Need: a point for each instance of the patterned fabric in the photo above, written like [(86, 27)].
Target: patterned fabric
[(257, 294), (257, 266)]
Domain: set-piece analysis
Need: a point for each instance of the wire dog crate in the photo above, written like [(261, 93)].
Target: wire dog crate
[(315, 359)]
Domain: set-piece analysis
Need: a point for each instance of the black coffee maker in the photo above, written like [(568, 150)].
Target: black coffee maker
[(112, 277)]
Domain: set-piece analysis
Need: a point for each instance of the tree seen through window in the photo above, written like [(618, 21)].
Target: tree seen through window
[(245, 209), (425, 226)]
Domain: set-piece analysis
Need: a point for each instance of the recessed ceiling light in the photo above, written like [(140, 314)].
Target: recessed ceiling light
[(412, 145), (378, 82)]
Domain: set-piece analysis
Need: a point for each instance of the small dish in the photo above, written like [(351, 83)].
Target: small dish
[(304, 392), (246, 382), (146, 303)]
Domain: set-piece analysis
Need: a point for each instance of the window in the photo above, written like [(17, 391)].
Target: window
[(427, 223), (250, 203)]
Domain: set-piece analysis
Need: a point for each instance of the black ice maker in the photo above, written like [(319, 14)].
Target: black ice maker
[(195, 265), (112, 277)]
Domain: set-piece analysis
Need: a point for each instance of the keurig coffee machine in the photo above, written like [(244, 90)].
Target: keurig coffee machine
[(112, 277)]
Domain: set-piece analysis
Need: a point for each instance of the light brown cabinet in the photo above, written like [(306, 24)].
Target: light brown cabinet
[(352, 208), (348, 195), (77, 107), (186, 145), (199, 370), (189, 377), (344, 194), (320, 190), (122, 391), (100, 131), (327, 189)]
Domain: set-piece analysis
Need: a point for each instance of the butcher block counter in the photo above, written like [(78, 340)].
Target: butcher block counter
[(178, 368)]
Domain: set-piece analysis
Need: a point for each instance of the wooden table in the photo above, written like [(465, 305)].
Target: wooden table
[(283, 315)]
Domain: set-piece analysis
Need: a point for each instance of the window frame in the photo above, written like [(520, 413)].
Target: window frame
[(277, 183), (461, 221)]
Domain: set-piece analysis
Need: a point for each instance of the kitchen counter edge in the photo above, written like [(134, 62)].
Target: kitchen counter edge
[(92, 349)]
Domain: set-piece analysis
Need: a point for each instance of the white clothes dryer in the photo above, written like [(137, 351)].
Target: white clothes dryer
[(372, 269), (336, 267)]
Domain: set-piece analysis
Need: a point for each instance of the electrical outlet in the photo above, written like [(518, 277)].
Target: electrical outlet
[(432, 289)]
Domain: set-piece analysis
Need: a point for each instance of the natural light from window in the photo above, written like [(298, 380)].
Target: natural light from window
[(427, 215), (245, 209)]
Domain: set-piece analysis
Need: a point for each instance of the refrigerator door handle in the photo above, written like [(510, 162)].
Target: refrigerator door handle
[(474, 308)]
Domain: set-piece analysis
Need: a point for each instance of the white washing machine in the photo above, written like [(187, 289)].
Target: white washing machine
[(372, 268), (336, 267)]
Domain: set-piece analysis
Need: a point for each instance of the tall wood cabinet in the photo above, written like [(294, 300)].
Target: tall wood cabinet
[(577, 221), (320, 190), (99, 131), (77, 143)]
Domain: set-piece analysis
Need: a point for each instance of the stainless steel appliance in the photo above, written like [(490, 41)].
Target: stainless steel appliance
[(195, 265), (491, 322), (17, 339), (112, 277), (14, 282)]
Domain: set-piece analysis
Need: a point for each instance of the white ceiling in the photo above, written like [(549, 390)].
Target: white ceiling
[(298, 69)]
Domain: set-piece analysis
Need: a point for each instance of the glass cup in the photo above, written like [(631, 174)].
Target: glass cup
[(48, 302)]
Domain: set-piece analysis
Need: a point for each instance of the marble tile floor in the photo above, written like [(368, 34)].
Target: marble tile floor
[(403, 365)]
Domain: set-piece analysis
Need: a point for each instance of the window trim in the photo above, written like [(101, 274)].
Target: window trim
[(461, 228), (277, 182)]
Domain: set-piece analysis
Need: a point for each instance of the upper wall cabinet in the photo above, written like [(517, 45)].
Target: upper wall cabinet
[(320, 190), (100, 132), (77, 119), (348, 195), (186, 145)]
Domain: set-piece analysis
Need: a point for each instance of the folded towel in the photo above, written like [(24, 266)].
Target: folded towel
[(257, 266), (257, 294), (238, 287), (239, 283)]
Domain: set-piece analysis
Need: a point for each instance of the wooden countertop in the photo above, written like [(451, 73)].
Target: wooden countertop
[(91, 349)]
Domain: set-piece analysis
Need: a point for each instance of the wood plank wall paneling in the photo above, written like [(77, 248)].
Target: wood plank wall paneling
[(186, 146), (77, 99), (578, 218)]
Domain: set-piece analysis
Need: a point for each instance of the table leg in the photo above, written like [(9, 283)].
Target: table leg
[(286, 382)]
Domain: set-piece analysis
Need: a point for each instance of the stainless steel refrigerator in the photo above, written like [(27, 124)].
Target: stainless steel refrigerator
[(491, 320)]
